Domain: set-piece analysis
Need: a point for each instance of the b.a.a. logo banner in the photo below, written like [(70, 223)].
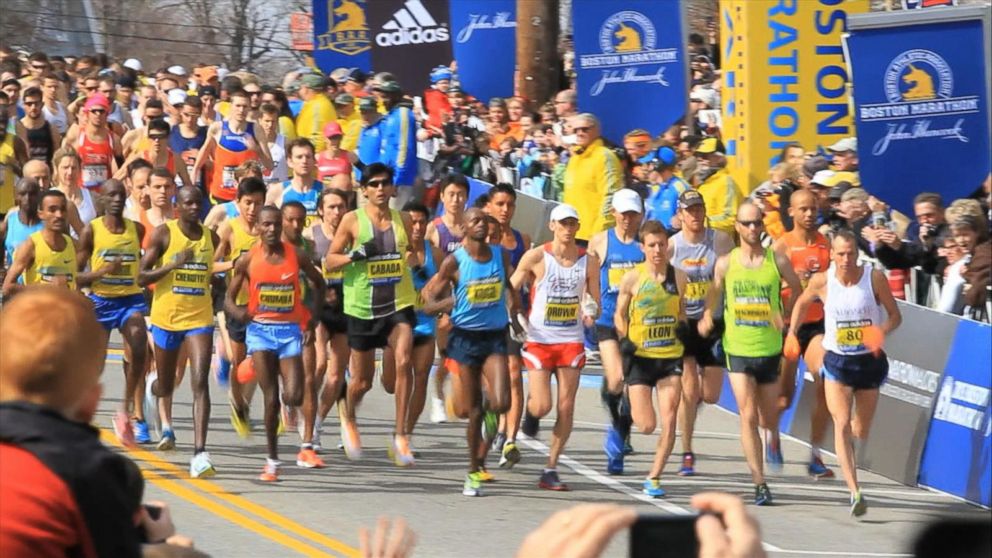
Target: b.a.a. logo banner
[(409, 38), (630, 58), (484, 38), (921, 109), (341, 35)]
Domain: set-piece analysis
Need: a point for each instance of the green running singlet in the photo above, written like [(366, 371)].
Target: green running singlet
[(381, 285), (753, 303)]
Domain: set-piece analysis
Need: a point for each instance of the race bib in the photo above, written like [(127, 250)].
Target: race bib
[(94, 175), (276, 297), (615, 274), (851, 335), (561, 311), (191, 279), (696, 292), (227, 180), (333, 277), (484, 293), (752, 312), (123, 276), (659, 332), (385, 269)]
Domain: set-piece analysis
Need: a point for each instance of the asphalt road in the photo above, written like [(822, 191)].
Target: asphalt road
[(319, 512)]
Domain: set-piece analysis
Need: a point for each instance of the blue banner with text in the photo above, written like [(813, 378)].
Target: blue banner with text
[(484, 42), (630, 59), (341, 35)]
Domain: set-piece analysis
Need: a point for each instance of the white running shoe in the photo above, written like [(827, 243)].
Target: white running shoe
[(438, 412), (150, 406), (200, 466)]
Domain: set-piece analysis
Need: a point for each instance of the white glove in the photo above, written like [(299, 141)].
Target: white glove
[(589, 307)]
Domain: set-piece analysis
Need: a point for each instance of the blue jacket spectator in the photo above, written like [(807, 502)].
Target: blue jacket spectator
[(399, 135), (662, 201)]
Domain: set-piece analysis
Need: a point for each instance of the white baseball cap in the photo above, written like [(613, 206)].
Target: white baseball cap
[(825, 178), (563, 211), (177, 96), (844, 145), (625, 200), (177, 70), (134, 64)]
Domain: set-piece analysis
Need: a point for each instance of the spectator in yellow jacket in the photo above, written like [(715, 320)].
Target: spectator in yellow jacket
[(351, 123), (316, 111), (593, 173), (716, 186)]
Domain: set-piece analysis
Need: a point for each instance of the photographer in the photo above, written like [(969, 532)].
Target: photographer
[(920, 247)]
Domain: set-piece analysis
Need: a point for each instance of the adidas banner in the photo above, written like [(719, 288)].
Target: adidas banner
[(341, 35), (409, 38), (477, 27), (630, 59), (921, 107)]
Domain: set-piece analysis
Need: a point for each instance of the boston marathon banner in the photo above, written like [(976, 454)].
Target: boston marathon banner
[(784, 80), (341, 35), (484, 38), (410, 37), (922, 108), (630, 59)]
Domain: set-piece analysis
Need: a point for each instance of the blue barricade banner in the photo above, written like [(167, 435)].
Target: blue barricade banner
[(630, 59), (341, 35), (921, 109), (958, 455), (484, 44)]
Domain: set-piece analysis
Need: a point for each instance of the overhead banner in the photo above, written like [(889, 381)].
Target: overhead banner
[(484, 43), (784, 81), (920, 95), (630, 60), (410, 37), (341, 35)]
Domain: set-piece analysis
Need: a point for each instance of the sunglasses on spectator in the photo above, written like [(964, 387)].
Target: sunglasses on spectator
[(157, 137), (754, 223), (93, 88), (31, 103), (39, 67), (381, 183), (98, 111)]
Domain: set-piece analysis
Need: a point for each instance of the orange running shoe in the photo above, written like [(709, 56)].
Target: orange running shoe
[(400, 452), (308, 459), (270, 473)]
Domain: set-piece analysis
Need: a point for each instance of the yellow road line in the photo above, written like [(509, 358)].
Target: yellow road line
[(238, 502)]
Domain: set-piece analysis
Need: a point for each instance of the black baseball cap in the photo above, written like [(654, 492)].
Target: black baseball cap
[(206, 90), (690, 198)]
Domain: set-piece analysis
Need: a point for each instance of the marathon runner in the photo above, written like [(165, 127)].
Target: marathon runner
[(695, 250), (49, 255), (275, 309), (501, 205), (138, 202), (96, 144), (650, 318), (378, 301), (268, 121), (478, 275), (158, 153), (43, 138), (187, 137), (618, 251), (111, 246), (854, 365), (560, 274), (751, 277), (446, 233), (21, 222), (303, 187), (137, 139), (809, 253), (236, 238), (179, 261)]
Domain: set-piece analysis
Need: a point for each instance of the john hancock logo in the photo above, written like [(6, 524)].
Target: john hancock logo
[(919, 87), (627, 40), (347, 29)]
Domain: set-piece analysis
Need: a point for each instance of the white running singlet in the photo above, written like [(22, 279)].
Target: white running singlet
[(848, 310), (555, 312)]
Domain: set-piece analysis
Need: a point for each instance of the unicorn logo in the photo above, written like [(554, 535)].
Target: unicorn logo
[(628, 37), (918, 75), (347, 28), (921, 85), (350, 16), (627, 32)]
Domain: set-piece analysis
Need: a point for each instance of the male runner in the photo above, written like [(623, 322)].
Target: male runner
[(187, 137), (49, 255), (618, 251), (379, 300), (236, 238), (275, 309), (21, 222), (854, 365), (96, 144), (809, 253), (111, 245), (560, 274), (179, 261), (501, 204), (303, 187), (751, 278), (446, 233), (230, 143), (650, 316), (158, 153), (478, 275), (695, 250), (43, 138)]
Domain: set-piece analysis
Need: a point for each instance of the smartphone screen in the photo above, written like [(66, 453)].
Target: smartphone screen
[(671, 536)]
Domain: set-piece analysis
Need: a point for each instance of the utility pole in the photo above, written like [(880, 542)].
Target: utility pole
[(537, 49)]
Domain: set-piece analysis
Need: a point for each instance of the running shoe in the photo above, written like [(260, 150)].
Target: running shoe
[(150, 404), (818, 470), (400, 453), (762, 496), (122, 428), (550, 481), (438, 413), (167, 442), (498, 442), (486, 476), (490, 426), (200, 466), (317, 431), (627, 448), (859, 506), (270, 473), (307, 458), (531, 425), (652, 488), (773, 457), (222, 369), (351, 440), (688, 467), (240, 423), (510, 456), (473, 485), (141, 434), (613, 446)]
